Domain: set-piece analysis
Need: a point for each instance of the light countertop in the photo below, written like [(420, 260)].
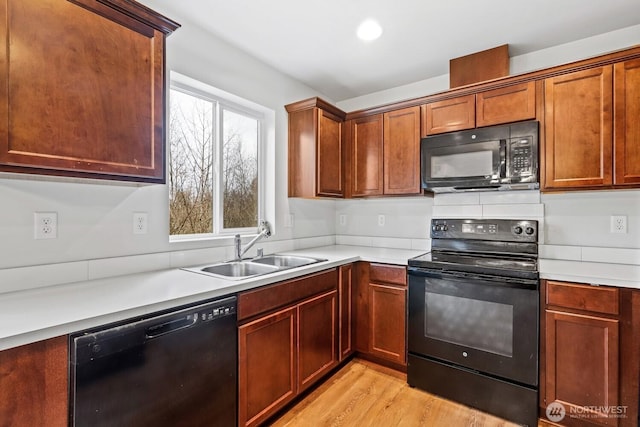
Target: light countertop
[(36, 314)]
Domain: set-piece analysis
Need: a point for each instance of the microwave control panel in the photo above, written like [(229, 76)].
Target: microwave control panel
[(521, 154)]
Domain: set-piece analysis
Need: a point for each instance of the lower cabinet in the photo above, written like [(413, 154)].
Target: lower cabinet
[(34, 384), (283, 352), (317, 338), (589, 359), (266, 367), (345, 313), (381, 312)]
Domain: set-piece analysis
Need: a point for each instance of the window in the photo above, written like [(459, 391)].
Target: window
[(214, 163)]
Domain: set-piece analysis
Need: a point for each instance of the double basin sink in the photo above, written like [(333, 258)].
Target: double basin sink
[(236, 270)]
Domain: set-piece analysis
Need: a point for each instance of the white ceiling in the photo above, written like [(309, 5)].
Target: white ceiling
[(315, 42)]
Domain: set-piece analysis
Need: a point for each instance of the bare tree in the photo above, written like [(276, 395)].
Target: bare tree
[(240, 182), (190, 167), (191, 176)]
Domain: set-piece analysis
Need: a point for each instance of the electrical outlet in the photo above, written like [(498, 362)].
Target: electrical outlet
[(45, 225), (381, 220), (618, 224), (140, 222), (343, 220)]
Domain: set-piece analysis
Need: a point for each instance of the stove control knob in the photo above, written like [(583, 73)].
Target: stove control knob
[(529, 230), (517, 229)]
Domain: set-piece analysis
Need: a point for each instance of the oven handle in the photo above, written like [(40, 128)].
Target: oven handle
[(490, 280)]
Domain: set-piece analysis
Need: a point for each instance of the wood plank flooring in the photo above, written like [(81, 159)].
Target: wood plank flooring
[(365, 394)]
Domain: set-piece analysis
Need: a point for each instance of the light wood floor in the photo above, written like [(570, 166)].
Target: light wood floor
[(365, 394)]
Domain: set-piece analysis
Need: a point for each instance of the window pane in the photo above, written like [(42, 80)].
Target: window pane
[(240, 170), (191, 164)]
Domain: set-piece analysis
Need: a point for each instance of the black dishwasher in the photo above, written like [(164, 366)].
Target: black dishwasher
[(175, 368)]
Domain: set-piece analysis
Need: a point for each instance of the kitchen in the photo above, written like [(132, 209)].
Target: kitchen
[(94, 219)]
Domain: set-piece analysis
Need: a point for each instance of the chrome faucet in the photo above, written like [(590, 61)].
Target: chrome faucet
[(263, 231)]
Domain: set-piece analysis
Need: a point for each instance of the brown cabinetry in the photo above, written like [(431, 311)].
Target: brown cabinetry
[(449, 115), (591, 136), (492, 107), (346, 318), (381, 313), (385, 153), (266, 365), (366, 140), (34, 384), (287, 340), (316, 157), (587, 343), (627, 131), (505, 105), (317, 338), (578, 129), (86, 98), (402, 151)]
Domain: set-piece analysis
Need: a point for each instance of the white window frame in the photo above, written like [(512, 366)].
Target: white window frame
[(223, 100)]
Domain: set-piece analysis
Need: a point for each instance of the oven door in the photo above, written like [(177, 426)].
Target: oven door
[(482, 323)]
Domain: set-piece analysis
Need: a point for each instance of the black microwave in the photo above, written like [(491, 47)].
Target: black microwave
[(501, 157)]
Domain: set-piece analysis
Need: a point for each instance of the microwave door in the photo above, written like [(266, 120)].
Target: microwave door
[(464, 165)]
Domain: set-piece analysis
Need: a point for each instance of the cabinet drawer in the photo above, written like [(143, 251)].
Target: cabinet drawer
[(386, 273), (270, 297), (583, 297)]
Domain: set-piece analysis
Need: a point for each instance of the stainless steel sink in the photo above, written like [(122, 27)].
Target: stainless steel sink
[(237, 270), (288, 261)]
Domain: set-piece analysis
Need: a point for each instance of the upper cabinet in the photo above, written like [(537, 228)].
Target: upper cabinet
[(626, 126), (505, 105), (492, 107), (402, 151), (84, 89), (366, 140), (578, 129), (316, 158), (591, 136), (449, 115), (384, 154)]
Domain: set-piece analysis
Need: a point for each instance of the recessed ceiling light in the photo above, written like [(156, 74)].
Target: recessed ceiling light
[(369, 30)]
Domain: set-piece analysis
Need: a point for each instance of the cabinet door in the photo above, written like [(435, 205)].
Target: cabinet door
[(387, 322), (345, 299), (627, 128), (317, 338), (505, 105), (582, 363), (329, 146), (34, 384), (367, 156), (266, 366), (449, 115), (87, 96), (402, 151), (578, 129)]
